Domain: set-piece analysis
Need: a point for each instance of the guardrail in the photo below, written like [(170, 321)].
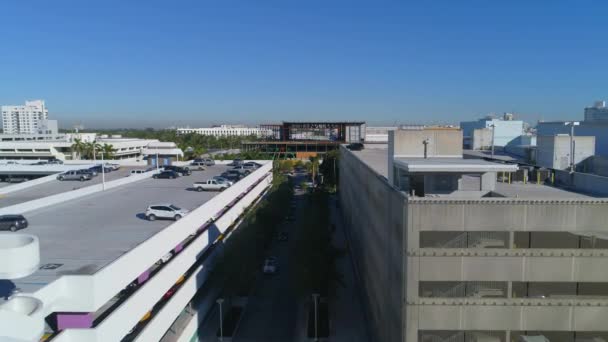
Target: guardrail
[(75, 293), (516, 252), (70, 195)]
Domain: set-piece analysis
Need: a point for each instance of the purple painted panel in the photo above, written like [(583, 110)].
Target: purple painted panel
[(67, 320), (179, 247), (143, 277)]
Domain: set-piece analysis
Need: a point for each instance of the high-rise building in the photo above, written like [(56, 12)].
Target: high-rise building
[(452, 249), (24, 119), (599, 112)]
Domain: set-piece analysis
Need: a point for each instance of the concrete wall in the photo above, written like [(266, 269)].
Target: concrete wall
[(585, 182), (554, 151), (374, 214), (595, 164)]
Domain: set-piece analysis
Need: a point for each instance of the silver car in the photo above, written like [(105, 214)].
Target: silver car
[(74, 175)]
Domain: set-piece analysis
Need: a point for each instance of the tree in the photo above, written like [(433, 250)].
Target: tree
[(329, 168), (108, 151), (78, 147)]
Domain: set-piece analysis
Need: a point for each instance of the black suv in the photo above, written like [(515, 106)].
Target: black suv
[(12, 222), (232, 175), (166, 174), (184, 171), (355, 146)]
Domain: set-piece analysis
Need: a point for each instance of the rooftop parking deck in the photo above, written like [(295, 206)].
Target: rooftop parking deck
[(81, 236), (56, 187)]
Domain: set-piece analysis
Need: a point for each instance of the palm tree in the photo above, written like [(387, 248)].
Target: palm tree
[(78, 147), (108, 151)]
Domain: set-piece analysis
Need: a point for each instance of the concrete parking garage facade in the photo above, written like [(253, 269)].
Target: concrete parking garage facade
[(526, 262)]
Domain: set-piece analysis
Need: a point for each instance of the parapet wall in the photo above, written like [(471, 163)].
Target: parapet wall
[(374, 214)]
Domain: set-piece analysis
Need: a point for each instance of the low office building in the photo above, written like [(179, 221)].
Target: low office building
[(162, 153), (501, 132), (226, 131), (448, 249)]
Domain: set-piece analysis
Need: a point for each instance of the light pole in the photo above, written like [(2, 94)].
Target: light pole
[(572, 124), (103, 174), (220, 301), (493, 126), (315, 296)]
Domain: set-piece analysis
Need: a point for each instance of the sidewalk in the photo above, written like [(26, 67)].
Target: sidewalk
[(348, 322)]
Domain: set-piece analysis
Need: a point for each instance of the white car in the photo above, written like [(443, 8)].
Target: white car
[(210, 185), (138, 172), (270, 266), (165, 211)]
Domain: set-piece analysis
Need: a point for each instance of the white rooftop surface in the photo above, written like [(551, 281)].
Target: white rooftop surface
[(84, 235), (451, 165), (56, 187), (377, 160)]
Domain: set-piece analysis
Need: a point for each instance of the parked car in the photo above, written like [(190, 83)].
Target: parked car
[(236, 162), (270, 266), (242, 170), (355, 146), (197, 166), (209, 161), (283, 236), (210, 185), (165, 211), (16, 179), (231, 175), (138, 172), (55, 161), (251, 166), (182, 170), (98, 168), (12, 222), (113, 166), (223, 180), (74, 175), (93, 173), (166, 174)]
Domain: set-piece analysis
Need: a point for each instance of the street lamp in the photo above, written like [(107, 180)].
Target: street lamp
[(103, 173), (220, 301), (571, 124), (315, 296)]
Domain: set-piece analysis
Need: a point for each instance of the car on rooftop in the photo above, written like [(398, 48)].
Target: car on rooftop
[(13, 222), (74, 175), (166, 175), (165, 211)]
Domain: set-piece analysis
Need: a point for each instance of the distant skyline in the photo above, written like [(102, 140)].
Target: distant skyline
[(158, 64)]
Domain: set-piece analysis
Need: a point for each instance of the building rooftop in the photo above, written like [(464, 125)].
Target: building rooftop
[(82, 236), (413, 165), (377, 160)]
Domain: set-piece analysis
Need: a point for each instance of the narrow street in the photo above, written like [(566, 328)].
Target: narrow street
[(272, 309)]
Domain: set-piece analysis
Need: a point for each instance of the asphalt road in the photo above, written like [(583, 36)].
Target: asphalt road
[(88, 233), (57, 187), (271, 312)]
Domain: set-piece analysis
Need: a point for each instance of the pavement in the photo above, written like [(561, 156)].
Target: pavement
[(83, 235), (56, 187), (272, 309)]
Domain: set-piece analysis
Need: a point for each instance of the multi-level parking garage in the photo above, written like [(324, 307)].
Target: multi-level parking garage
[(99, 268)]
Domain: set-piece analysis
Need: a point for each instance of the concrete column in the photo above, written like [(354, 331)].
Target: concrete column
[(508, 336), (511, 240), (509, 289), (488, 181)]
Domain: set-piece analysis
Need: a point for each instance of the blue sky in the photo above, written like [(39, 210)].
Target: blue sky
[(164, 63)]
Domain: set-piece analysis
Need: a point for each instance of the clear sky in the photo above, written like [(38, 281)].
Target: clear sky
[(163, 63)]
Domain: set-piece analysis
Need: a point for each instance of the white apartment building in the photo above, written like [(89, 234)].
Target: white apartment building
[(455, 250), (227, 131), (24, 119)]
